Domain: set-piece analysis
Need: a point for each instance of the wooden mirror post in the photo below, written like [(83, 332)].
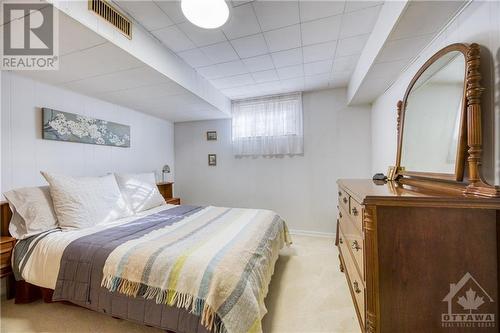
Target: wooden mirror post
[(476, 184)]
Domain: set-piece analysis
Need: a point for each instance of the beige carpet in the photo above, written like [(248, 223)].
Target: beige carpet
[(307, 294)]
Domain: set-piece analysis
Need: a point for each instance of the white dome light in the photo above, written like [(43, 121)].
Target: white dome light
[(207, 14)]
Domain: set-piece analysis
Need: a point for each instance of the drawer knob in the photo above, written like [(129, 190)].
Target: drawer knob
[(345, 200), (355, 246), (354, 211), (341, 241), (356, 287)]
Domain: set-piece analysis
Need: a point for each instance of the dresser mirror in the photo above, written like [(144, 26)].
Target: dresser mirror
[(439, 124), (433, 123)]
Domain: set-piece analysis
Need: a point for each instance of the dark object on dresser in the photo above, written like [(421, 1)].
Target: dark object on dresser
[(379, 177)]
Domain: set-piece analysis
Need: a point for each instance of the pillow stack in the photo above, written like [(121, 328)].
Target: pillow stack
[(87, 201), (73, 203), (32, 211), (140, 191)]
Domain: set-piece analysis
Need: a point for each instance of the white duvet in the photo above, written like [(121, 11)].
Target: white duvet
[(42, 267)]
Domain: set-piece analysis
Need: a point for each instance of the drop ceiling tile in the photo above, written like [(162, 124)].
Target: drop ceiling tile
[(233, 81), (351, 45), (174, 39), (221, 52), (358, 5), (318, 67), (283, 39), (250, 46), (313, 10), (296, 84), (265, 76), (222, 70), (237, 3), (232, 68), (316, 81), (202, 37), (290, 72), (339, 79), (287, 58), (172, 9), (269, 88), (344, 64), (322, 30), (403, 48), (276, 14), (242, 22), (260, 63), (209, 72), (241, 92), (195, 58), (147, 13), (359, 22), (319, 52)]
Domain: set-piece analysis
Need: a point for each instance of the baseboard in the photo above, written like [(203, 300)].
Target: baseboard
[(312, 233)]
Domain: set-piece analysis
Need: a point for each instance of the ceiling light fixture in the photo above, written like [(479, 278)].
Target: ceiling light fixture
[(207, 14)]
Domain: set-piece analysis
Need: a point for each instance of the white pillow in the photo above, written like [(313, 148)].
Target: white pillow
[(140, 191), (32, 211), (87, 201)]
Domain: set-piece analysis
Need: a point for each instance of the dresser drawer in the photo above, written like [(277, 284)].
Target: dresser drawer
[(358, 290), (356, 213), (5, 259), (356, 284), (6, 246), (343, 199), (353, 240)]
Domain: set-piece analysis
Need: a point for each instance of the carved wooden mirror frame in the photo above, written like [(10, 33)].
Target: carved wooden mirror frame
[(470, 136)]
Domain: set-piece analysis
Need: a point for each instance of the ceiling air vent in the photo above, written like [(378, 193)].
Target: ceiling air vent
[(113, 16)]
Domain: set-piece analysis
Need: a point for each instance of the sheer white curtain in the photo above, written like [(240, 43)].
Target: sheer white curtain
[(268, 126)]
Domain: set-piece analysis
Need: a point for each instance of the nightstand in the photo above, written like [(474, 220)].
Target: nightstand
[(166, 190), (173, 201), (6, 246)]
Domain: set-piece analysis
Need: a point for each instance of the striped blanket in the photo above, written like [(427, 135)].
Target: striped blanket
[(216, 263)]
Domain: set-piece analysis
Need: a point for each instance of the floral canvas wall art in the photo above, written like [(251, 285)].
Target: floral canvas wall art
[(65, 126)]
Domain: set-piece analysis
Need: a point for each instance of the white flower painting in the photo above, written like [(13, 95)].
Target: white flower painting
[(65, 126)]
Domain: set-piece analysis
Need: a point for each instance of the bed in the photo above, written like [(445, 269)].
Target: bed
[(179, 268)]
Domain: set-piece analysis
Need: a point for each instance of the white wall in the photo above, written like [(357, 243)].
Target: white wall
[(25, 153), (478, 23), (301, 189)]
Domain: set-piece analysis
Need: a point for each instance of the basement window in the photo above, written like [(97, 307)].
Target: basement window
[(268, 126)]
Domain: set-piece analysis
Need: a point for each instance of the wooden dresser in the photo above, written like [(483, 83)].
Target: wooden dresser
[(410, 255)]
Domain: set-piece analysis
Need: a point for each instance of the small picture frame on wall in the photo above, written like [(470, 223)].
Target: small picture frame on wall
[(212, 159), (211, 135)]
